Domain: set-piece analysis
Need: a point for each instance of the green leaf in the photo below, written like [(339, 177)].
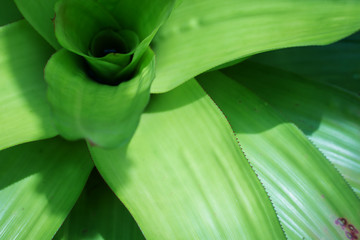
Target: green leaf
[(183, 175), (328, 116), (105, 115), (87, 29), (8, 12), (337, 64), (40, 14), (144, 17), (77, 22), (200, 35), (99, 214), (39, 184), (308, 193), (141, 16), (24, 111)]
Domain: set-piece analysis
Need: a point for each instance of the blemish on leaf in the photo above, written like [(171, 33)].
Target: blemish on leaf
[(53, 19), (350, 231), (352, 228), (341, 221), (91, 143)]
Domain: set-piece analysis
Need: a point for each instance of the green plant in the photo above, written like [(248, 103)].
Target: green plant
[(182, 174)]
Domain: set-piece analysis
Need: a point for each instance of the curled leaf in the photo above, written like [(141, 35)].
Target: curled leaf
[(111, 45), (105, 115)]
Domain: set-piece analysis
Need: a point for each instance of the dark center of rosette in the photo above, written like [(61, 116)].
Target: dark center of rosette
[(110, 56), (107, 42)]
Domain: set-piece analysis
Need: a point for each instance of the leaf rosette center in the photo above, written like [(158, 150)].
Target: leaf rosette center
[(99, 82)]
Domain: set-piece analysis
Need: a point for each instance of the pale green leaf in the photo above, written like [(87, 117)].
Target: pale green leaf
[(39, 184), (24, 111), (308, 193), (200, 35), (183, 175), (328, 116), (337, 64), (8, 12), (99, 214)]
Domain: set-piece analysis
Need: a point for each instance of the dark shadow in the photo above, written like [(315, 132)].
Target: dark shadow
[(337, 64), (9, 12), (51, 160), (298, 99), (99, 212), (292, 99)]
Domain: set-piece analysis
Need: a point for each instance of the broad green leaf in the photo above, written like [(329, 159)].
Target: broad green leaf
[(8, 12), (183, 175), (40, 14), (337, 64), (99, 214), (200, 35), (328, 116), (39, 184), (308, 193), (24, 111), (105, 115)]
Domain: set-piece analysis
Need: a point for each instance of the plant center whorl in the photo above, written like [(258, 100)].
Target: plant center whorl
[(107, 42)]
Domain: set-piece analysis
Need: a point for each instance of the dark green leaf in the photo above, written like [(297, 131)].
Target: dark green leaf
[(40, 14), (8, 12), (337, 64)]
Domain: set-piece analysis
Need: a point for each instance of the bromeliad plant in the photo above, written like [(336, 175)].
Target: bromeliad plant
[(195, 141)]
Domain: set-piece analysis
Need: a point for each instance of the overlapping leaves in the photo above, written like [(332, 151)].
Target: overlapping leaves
[(182, 175)]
